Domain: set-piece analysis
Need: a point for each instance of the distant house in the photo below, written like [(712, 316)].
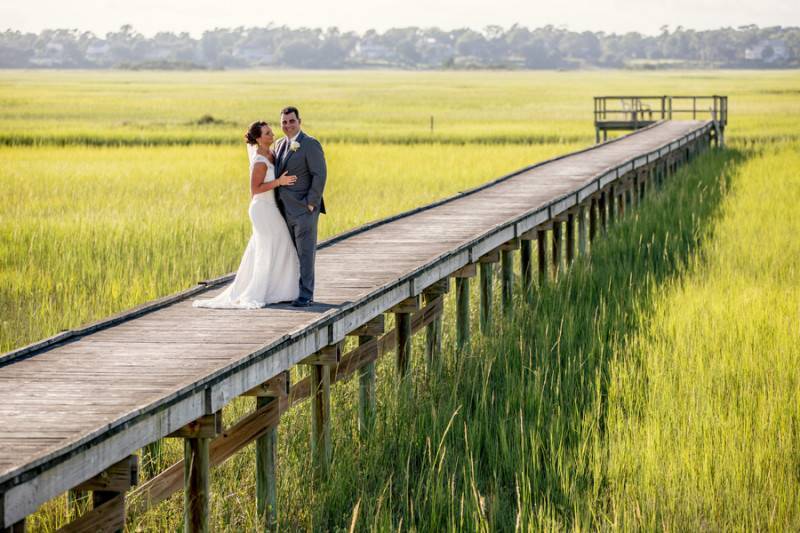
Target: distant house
[(254, 55), (98, 51), (435, 53), (768, 51), (51, 56), (372, 51)]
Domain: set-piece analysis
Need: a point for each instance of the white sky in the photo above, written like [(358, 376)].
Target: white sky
[(194, 16)]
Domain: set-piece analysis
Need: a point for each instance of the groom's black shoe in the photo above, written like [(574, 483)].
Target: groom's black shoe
[(302, 302)]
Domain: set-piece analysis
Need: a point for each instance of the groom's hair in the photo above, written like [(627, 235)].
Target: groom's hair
[(291, 109)]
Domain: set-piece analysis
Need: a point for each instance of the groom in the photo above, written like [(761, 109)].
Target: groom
[(301, 155)]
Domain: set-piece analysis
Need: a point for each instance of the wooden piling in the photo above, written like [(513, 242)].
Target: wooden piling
[(582, 233), (556, 255), (487, 294), (366, 393), (196, 470), (196, 478), (541, 256), (433, 331), (402, 318), (320, 418), (570, 244), (462, 305), (266, 469), (593, 208), (402, 323), (602, 209), (525, 264), (507, 276), (611, 205)]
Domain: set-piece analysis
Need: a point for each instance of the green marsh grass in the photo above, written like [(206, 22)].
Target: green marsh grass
[(151, 108), (86, 232), (653, 387)]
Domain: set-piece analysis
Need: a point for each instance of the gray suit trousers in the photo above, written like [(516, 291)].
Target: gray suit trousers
[(303, 230)]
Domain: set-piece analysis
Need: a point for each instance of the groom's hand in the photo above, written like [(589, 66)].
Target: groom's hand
[(310, 208)]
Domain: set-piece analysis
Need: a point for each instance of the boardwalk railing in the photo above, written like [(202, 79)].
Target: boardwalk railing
[(634, 112), (215, 361)]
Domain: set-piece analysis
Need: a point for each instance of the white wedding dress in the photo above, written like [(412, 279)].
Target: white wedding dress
[(270, 270)]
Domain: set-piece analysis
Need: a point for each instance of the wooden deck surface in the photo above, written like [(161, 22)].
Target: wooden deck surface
[(60, 403)]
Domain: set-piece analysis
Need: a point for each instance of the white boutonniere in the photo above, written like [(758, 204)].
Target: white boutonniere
[(295, 146)]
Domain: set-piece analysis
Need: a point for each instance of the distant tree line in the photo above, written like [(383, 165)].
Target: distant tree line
[(516, 47)]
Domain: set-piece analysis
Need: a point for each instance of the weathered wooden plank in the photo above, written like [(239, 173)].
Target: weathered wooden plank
[(205, 427)]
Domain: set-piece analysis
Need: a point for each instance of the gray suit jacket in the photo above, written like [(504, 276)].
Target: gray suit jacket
[(308, 164)]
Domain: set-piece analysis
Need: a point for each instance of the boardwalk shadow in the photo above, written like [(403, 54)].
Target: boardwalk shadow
[(517, 423), (316, 307)]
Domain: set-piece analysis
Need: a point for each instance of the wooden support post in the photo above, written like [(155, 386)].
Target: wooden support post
[(366, 393), (611, 205), (487, 263), (593, 208), (320, 383), (507, 268), (525, 261), (487, 296), (462, 305), (196, 477), (621, 206), (402, 317), (273, 390), (582, 236), (321, 418), (266, 469), (197, 436), (570, 238), (541, 255), (366, 376), (433, 331), (556, 256), (602, 210), (402, 324)]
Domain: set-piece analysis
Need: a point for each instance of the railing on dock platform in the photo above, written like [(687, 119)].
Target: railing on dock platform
[(625, 113)]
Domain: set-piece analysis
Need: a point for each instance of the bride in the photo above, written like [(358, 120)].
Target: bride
[(270, 270)]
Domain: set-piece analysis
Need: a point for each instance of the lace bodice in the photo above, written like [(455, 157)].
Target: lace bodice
[(270, 167)]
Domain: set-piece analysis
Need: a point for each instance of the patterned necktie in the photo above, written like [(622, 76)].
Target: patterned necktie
[(286, 150)]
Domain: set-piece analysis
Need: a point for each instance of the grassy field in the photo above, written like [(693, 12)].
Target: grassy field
[(654, 387), (102, 108)]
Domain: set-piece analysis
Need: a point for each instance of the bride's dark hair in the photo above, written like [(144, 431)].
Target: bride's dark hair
[(254, 132)]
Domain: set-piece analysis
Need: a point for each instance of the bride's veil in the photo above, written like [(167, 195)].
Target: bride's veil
[(252, 149)]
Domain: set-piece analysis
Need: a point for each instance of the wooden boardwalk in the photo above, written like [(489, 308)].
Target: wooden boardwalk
[(74, 405)]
